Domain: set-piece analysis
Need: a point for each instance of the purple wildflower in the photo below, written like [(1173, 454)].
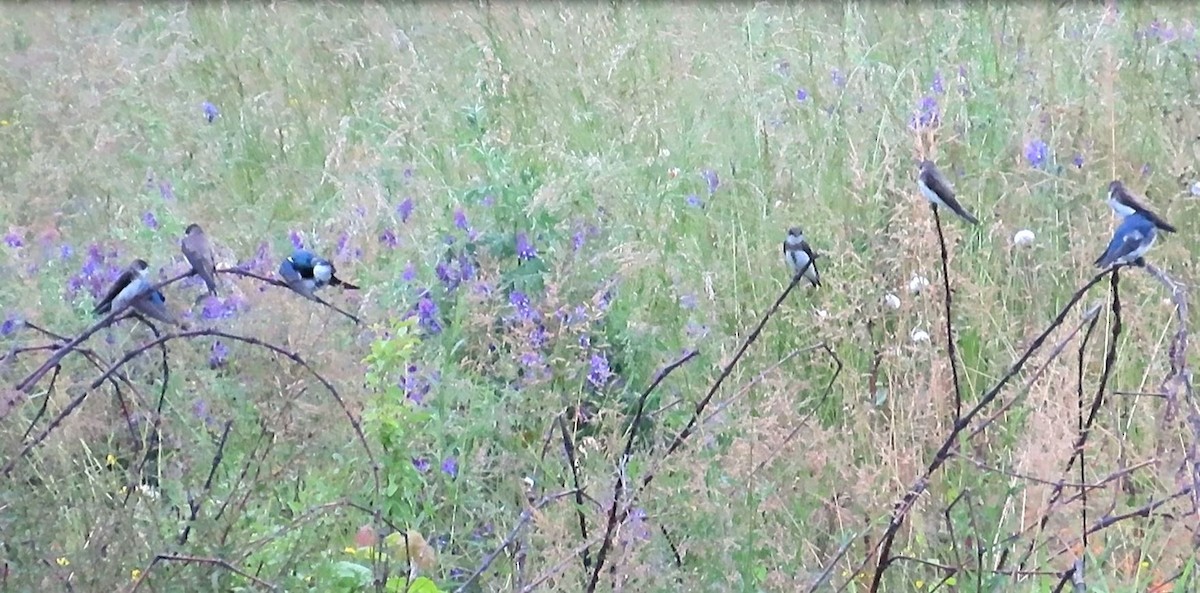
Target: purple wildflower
[(150, 220), (538, 337), (520, 302), (210, 111), (466, 269), (9, 326), (927, 113), (388, 238), (488, 200), (531, 359), (218, 355), (598, 373), (1077, 160), (801, 95), (65, 251), (427, 315), (450, 467), (837, 77), (711, 178), (410, 272), (447, 275), (421, 464), (938, 85), (166, 191), (1036, 152), (460, 219), (525, 249), (405, 209), (14, 239), (578, 239), (296, 239), (694, 201)]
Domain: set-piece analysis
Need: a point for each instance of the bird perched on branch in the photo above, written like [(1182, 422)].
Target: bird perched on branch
[(937, 190), (133, 282), (1124, 204), (798, 254), (133, 288), (198, 251), (305, 272), (1132, 239)]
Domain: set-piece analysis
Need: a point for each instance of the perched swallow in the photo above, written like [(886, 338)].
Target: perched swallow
[(937, 190), (798, 254), (130, 284), (305, 272), (198, 252), (1123, 203), (154, 304), (1132, 239)]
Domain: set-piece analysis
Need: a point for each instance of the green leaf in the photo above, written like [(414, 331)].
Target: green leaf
[(346, 571)]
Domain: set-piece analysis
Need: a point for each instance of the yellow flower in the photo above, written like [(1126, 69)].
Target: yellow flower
[(3, 122), (1145, 564), (135, 574), (62, 561), (919, 584), (110, 460), (351, 551)]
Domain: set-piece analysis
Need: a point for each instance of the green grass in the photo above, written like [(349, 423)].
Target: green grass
[(590, 123)]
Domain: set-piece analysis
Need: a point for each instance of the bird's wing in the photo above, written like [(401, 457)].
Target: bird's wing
[(289, 272), (1121, 246), (105, 303)]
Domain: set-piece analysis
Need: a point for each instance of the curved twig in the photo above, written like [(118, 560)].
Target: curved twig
[(619, 486), (903, 506), (75, 403), (282, 284)]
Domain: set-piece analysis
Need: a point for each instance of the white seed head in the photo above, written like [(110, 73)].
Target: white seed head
[(822, 313), (917, 284), (918, 336), (1196, 189), (1023, 238), (891, 301)]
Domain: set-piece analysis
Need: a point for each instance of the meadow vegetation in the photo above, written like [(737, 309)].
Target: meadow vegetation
[(545, 205)]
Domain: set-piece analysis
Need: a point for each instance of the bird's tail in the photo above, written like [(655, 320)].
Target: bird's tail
[(335, 281)]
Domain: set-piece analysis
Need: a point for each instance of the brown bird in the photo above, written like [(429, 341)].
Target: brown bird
[(198, 252)]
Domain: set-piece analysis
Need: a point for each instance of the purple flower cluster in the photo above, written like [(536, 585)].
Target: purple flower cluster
[(297, 239), (222, 308), (416, 385), (405, 209), (428, 315), (927, 114), (449, 465), (211, 113), (712, 180), (11, 324), (1037, 153), (99, 269), (261, 263), (150, 220), (525, 249), (218, 355), (14, 239), (598, 370)]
